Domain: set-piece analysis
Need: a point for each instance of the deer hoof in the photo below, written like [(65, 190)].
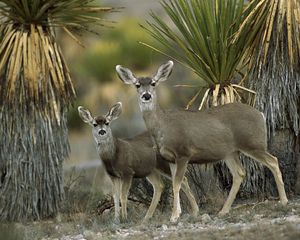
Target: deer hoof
[(174, 218), (117, 221), (145, 220), (223, 213), (284, 202), (195, 211)]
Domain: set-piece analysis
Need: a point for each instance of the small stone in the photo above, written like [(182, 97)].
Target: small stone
[(180, 224), (164, 227), (205, 218), (78, 237), (88, 233), (257, 216)]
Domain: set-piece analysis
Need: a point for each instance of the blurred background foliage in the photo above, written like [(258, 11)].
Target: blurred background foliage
[(118, 44), (97, 84)]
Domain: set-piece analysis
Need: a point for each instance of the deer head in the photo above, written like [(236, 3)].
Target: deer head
[(146, 85), (101, 124)]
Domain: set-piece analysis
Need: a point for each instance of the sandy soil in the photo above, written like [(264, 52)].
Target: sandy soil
[(247, 220)]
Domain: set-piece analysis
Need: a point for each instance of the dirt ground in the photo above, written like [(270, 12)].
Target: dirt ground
[(247, 220)]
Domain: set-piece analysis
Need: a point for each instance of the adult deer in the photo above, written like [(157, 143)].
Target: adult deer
[(219, 133), (125, 159)]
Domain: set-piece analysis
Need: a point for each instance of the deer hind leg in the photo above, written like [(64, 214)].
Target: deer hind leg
[(271, 162), (188, 192), (158, 186), (125, 186), (178, 171), (116, 196), (238, 173)]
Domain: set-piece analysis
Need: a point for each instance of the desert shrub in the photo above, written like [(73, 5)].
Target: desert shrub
[(80, 196), (100, 60)]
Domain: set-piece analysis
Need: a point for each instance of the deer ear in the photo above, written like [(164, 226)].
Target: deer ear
[(114, 112), (85, 115), (163, 72), (125, 75)]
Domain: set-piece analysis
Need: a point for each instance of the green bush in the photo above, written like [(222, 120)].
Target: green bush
[(119, 45), (100, 60)]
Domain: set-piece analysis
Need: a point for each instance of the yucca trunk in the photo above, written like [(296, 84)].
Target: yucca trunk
[(35, 92), (275, 76)]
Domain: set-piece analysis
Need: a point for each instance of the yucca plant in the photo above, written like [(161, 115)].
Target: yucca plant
[(275, 76), (202, 35), (275, 61), (35, 92), (202, 41)]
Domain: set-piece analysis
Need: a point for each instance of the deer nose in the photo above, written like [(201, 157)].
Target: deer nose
[(146, 96), (102, 132)]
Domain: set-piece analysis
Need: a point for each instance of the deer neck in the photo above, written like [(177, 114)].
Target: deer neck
[(107, 148), (153, 123)]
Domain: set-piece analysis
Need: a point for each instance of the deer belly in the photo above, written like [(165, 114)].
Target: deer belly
[(204, 156)]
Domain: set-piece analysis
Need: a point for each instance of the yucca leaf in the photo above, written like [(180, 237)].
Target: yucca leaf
[(202, 37)]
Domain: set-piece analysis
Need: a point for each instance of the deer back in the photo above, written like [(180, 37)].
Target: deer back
[(207, 136)]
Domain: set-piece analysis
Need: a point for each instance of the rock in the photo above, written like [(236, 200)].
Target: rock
[(164, 227), (205, 218), (258, 216), (99, 234), (78, 237), (88, 234)]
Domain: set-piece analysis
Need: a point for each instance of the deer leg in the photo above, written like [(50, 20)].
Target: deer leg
[(116, 197), (238, 173), (271, 162), (188, 192), (178, 170), (125, 186), (157, 184)]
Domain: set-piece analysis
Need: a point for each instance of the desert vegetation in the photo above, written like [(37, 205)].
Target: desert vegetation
[(58, 55)]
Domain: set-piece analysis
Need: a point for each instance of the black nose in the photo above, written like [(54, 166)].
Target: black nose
[(146, 96), (102, 132)]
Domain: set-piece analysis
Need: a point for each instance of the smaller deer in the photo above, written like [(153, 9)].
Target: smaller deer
[(125, 159), (219, 133)]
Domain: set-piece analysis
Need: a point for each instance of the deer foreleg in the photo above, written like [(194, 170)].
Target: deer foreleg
[(125, 186), (178, 170), (116, 197)]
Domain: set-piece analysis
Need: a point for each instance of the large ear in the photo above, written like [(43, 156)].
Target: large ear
[(85, 115), (114, 112), (125, 75), (163, 72)]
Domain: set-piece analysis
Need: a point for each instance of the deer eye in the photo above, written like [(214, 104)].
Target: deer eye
[(137, 85), (95, 124), (153, 84), (106, 123)]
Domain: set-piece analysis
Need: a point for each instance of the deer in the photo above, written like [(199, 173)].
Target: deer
[(201, 137), (125, 159)]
